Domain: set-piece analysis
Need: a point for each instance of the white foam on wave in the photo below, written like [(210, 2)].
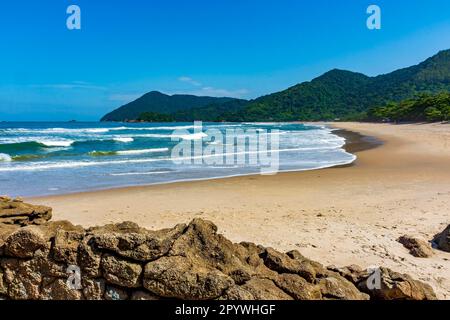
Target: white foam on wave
[(189, 136), (76, 164), (142, 151), (56, 143), (45, 141), (192, 136), (5, 157), (97, 130), (123, 139)]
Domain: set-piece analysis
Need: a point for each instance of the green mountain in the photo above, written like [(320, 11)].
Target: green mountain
[(345, 94), (335, 94), (158, 102)]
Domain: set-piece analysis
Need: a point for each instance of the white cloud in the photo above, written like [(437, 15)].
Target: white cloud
[(71, 85), (216, 92), (190, 81), (212, 91)]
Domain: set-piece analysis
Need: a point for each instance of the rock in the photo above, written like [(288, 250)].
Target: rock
[(123, 261), (265, 289), (3, 288), (93, 289), (24, 242), (352, 273), (89, 259), (391, 285), (417, 247), (297, 287), (295, 263), (141, 245), (177, 277), (236, 293), (20, 213), (115, 293), (121, 272), (5, 231), (58, 290), (443, 239), (21, 279), (240, 276), (337, 288), (66, 245), (43, 262), (201, 243)]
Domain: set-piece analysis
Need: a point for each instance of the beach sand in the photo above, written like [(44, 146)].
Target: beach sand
[(340, 216)]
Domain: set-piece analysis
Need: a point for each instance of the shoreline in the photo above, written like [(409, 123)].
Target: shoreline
[(338, 216), (354, 143)]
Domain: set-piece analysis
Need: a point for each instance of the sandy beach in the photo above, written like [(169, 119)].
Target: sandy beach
[(340, 216)]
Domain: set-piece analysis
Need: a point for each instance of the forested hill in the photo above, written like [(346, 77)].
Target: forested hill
[(158, 102), (335, 94), (344, 94)]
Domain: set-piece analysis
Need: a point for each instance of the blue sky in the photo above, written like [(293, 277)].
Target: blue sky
[(240, 48)]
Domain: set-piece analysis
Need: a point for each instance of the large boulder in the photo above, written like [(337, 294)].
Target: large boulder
[(178, 277), (385, 284), (24, 242), (21, 279), (417, 247), (58, 290), (293, 262), (443, 239), (130, 241), (66, 246), (121, 272)]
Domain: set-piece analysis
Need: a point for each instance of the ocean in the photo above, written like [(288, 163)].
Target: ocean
[(45, 158)]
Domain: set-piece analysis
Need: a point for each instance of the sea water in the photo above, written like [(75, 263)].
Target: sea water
[(38, 158)]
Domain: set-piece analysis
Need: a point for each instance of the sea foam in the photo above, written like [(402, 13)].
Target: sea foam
[(125, 140), (5, 157)]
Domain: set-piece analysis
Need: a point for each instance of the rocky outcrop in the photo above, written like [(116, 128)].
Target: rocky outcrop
[(16, 212), (385, 284), (442, 239), (417, 247), (41, 259)]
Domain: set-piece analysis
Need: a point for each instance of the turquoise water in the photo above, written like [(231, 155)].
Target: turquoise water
[(55, 158)]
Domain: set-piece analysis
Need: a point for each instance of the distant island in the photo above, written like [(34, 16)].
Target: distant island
[(335, 95)]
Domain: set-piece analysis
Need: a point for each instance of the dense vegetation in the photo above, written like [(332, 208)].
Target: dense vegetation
[(346, 95), (155, 117), (425, 107), (336, 94), (213, 112), (158, 102)]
